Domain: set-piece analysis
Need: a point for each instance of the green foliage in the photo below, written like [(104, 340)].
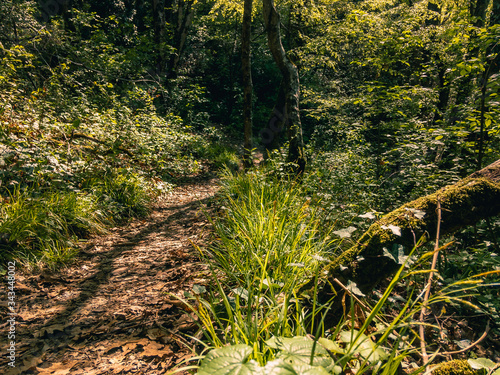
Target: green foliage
[(121, 193), (278, 227), (293, 358), (45, 228), (80, 119)]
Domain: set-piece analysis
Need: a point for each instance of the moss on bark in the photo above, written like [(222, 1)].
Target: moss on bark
[(366, 263)]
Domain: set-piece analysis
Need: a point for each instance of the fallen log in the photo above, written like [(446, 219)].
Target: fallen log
[(371, 259)]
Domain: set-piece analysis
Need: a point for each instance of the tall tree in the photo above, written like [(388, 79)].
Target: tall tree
[(182, 19), (492, 56), (158, 7), (291, 82), (246, 66)]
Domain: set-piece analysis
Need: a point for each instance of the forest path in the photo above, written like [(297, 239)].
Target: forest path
[(108, 313)]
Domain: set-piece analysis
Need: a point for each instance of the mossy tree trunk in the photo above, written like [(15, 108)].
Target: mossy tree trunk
[(366, 263)]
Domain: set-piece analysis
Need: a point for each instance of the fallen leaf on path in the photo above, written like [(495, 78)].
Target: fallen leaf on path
[(57, 368)]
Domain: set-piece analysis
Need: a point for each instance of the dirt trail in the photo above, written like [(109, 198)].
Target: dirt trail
[(108, 313)]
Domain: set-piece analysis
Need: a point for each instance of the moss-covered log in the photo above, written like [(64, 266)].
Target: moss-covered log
[(366, 263)]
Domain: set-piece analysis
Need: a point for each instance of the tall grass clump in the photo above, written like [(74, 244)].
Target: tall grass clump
[(367, 340), (120, 193), (44, 228), (267, 229), (266, 244)]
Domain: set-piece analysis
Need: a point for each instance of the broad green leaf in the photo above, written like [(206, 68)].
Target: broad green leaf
[(228, 361), (397, 253), (362, 345), (480, 363), (280, 367), (419, 214), (297, 350), (331, 346)]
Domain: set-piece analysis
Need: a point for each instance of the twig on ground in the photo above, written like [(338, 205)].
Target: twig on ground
[(483, 336)]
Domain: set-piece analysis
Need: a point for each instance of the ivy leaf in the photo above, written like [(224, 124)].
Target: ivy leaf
[(331, 346), (346, 232), (367, 215), (388, 254), (199, 289), (393, 228), (229, 360), (397, 254), (419, 214), (353, 288)]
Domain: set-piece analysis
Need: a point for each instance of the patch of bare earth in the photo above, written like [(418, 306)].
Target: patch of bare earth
[(109, 312)]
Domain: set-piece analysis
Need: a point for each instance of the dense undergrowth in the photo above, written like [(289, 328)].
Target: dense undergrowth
[(61, 182), (270, 238), (73, 163)]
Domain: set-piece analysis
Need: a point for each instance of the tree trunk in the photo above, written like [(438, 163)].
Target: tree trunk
[(291, 81), (270, 136), (246, 67), (158, 7), (491, 68), (366, 263), (184, 18)]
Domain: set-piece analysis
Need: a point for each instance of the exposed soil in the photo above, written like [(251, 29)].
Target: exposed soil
[(110, 312)]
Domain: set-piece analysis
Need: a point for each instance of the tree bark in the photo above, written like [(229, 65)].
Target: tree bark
[(366, 263), (491, 68), (158, 8), (271, 135), (291, 81), (246, 67), (183, 18)]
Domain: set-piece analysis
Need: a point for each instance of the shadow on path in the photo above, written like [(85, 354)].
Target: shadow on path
[(114, 293)]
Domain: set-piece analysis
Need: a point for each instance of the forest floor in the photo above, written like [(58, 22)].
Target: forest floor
[(109, 312)]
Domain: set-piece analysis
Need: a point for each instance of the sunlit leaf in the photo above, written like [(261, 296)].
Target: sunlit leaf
[(346, 232), (480, 363), (229, 360), (419, 214), (297, 351), (367, 215), (353, 288), (393, 228), (199, 289), (280, 367)]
